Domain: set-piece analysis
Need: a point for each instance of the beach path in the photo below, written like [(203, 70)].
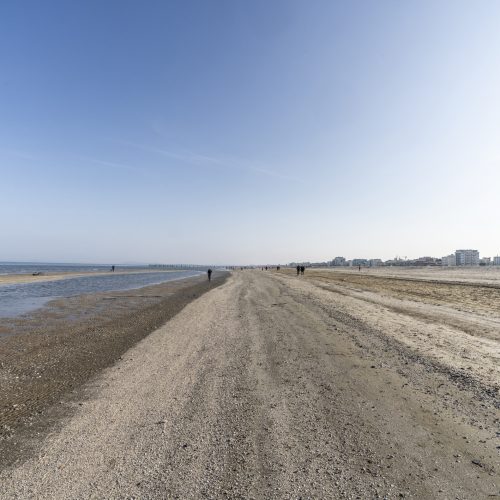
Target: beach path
[(270, 386)]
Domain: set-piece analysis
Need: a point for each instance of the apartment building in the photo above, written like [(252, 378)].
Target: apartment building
[(338, 261), (467, 257), (359, 262), (449, 260)]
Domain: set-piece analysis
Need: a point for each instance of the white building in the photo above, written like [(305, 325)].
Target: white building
[(375, 262), (485, 261), (339, 261), (359, 262), (467, 257), (496, 260), (449, 260)]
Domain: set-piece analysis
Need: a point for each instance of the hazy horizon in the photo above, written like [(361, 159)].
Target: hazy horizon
[(236, 264), (223, 132)]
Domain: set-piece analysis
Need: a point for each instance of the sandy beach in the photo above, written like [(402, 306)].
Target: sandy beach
[(47, 355), (461, 274), (278, 386)]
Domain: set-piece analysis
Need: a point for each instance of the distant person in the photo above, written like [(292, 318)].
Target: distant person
[(298, 270), (359, 268), (209, 273), (302, 269), (112, 269)]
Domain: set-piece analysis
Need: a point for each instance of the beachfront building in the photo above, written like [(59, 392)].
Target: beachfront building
[(485, 261), (426, 261), (397, 261), (318, 264), (359, 262), (338, 262), (449, 260), (375, 262), (467, 257), (496, 260)]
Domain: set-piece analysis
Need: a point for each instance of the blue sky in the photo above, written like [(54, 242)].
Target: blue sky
[(248, 132)]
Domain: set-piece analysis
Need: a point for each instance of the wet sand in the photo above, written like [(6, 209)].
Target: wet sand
[(47, 355), (15, 279)]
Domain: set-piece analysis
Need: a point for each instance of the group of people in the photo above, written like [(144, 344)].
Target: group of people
[(300, 270)]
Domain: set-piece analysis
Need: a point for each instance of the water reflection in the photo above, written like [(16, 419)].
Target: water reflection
[(18, 299)]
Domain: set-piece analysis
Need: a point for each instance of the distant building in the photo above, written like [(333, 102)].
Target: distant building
[(338, 261), (467, 257), (397, 261), (449, 260), (359, 262), (426, 261), (485, 261), (496, 260), (375, 262)]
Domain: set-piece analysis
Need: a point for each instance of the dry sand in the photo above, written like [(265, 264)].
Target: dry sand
[(277, 386), (479, 274)]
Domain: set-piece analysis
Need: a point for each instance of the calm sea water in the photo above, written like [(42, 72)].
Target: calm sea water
[(30, 268), (18, 299)]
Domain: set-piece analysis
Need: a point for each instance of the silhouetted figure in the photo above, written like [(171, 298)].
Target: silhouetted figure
[(112, 269), (298, 270), (302, 269), (278, 268), (209, 272), (359, 268)]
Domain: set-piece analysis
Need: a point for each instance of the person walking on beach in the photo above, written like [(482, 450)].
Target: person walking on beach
[(209, 272), (298, 270), (302, 269)]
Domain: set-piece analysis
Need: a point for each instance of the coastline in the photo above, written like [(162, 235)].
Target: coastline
[(17, 279), (48, 355)]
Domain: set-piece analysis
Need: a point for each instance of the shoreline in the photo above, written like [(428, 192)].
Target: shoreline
[(18, 279), (47, 356)]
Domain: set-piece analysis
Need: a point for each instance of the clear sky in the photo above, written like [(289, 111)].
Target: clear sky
[(248, 131)]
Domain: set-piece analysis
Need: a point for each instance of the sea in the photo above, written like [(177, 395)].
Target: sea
[(21, 298)]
